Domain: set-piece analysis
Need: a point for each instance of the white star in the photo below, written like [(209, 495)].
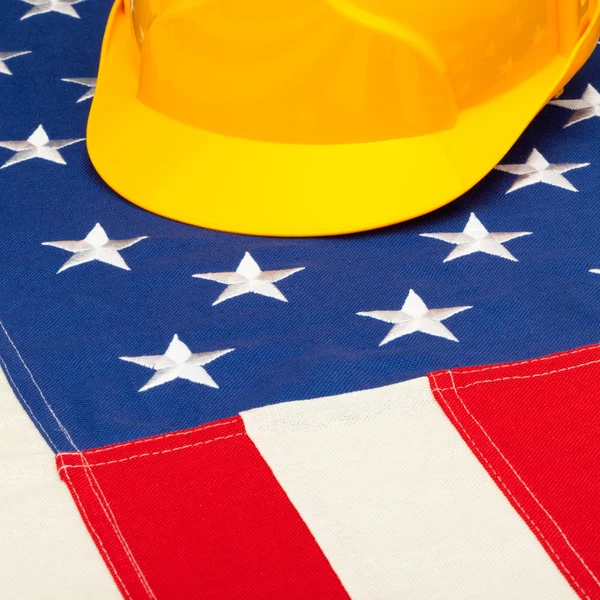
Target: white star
[(95, 246), (64, 7), (415, 316), (595, 271), (476, 238), (37, 145), (248, 278), (538, 170), (178, 363), (586, 107), (89, 82), (4, 56)]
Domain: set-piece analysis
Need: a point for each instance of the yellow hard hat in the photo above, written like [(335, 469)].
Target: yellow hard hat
[(318, 117)]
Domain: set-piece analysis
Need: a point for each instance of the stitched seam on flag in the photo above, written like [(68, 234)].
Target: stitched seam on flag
[(542, 374), (158, 437), (31, 413), (166, 451), (113, 522), (508, 491), (587, 568), (60, 425), (531, 360), (70, 439), (88, 522), (234, 435)]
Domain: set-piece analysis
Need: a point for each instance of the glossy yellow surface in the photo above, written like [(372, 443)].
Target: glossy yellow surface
[(317, 117)]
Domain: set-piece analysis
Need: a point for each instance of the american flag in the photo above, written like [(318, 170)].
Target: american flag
[(119, 325)]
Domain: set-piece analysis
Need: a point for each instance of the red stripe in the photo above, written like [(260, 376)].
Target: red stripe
[(535, 427), (197, 514)]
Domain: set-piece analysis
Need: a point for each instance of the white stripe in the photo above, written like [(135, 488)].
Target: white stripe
[(397, 501), (45, 550)]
